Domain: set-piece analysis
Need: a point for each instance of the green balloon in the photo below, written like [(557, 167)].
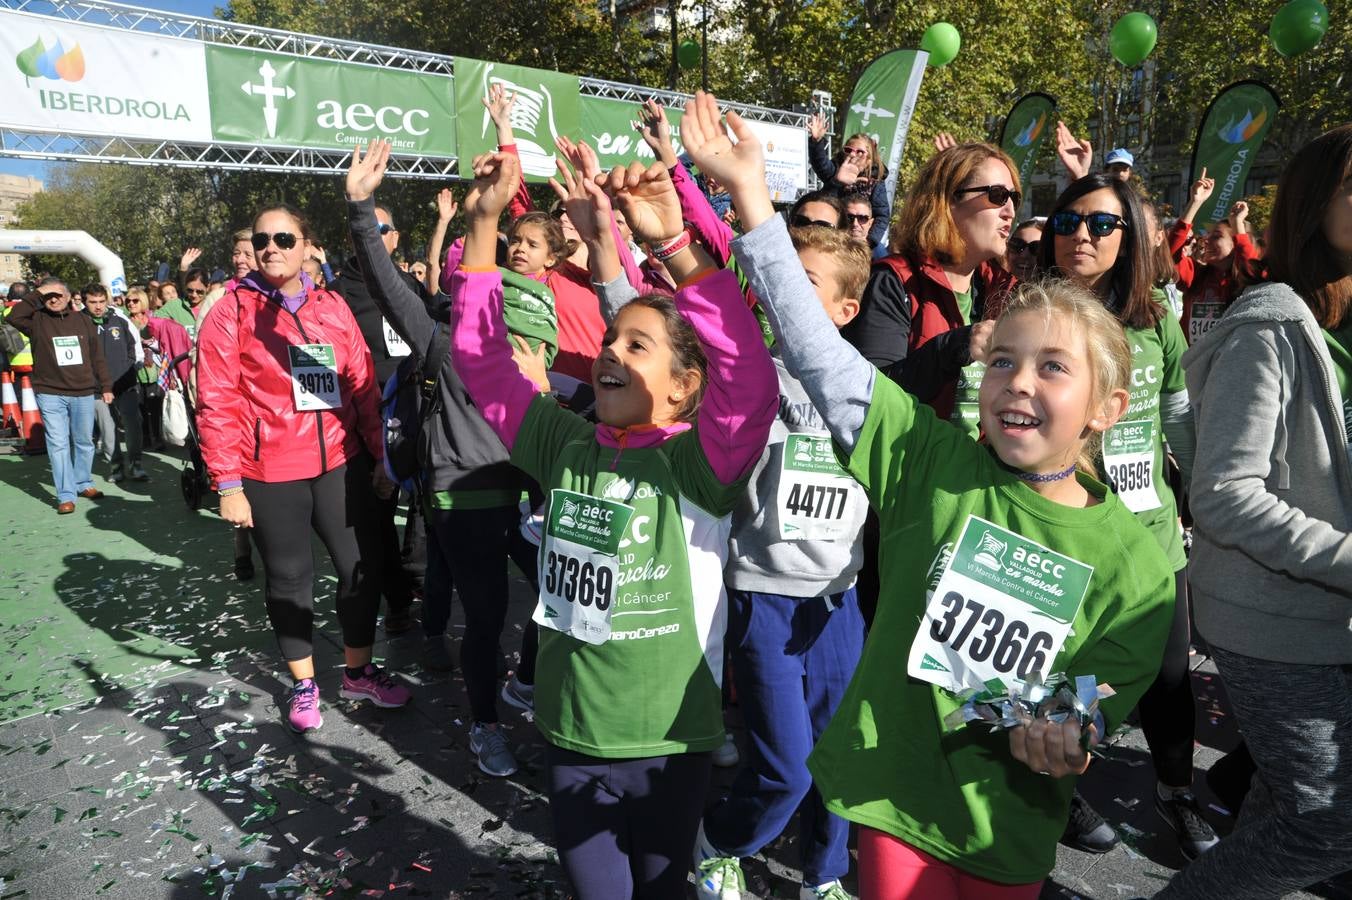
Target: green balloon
[(942, 42), (1132, 39), (688, 54), (1298, 26)]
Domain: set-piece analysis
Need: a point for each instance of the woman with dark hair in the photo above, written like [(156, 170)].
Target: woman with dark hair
[(1165, 274), (1272, 558), (821, 208), (1100, 239), (855, 170), (1228, 252)]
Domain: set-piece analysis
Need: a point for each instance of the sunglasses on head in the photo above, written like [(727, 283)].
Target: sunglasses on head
[(284, 240), (802, 221), (859, 218), (1100, 224), (1018, 245), (997, 194), (385, 228)]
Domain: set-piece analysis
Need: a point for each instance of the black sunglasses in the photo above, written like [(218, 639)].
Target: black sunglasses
[(801, 221), (1101, 224), (385, 228), (859, 218), (54, 295), (997, 194), (1018, 245), (284, 240)]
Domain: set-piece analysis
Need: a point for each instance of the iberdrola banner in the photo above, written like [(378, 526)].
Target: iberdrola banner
[(1232, 132), (1026, 129), (883, 102)]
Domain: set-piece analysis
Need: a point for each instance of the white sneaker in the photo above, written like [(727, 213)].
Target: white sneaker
[(727, 756), (716, 877), (832, 890)]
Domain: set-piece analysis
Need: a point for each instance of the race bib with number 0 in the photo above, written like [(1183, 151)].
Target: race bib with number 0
[(68, 352), (579, 564), (1129, 462), (816, 496), (1001, 611), (314, 377)]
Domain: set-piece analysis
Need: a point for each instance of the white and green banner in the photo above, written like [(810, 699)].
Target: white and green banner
[(883, 102), (1228, 142), (547, 106), (1025, 131)]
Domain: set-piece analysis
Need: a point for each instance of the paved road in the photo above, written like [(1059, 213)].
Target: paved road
[(142, 753)]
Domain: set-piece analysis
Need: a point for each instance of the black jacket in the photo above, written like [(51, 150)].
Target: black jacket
[(119, 349), (351, 286)]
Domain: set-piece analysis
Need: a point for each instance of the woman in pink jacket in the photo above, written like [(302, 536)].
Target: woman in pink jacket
[(288, 419)]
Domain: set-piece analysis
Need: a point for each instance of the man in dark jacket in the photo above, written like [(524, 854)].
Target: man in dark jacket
[(402, 566), (119, 350), (69, 373)]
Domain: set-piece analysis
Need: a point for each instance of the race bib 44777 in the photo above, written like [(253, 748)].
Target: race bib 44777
[(1001, 611)]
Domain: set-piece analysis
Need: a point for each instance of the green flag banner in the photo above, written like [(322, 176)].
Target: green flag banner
[(1026, 129), (608, 125), (276, 99), (1228, 141), (883, 102), (547, 106)]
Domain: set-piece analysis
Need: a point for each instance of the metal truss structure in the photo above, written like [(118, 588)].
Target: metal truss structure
[(221, 155)]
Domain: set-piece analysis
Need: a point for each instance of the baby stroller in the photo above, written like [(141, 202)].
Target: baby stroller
[(193, 481)]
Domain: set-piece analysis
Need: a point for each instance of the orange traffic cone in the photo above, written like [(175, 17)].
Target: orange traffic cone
[(35, 438), (11, 412)]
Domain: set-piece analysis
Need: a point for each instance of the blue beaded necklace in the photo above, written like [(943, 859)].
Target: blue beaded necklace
[(1037, 478)]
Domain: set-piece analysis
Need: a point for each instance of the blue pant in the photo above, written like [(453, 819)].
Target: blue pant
[(67, 421), (792, 659)]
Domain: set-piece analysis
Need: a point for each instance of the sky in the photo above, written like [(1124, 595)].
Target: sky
[(205, 8)]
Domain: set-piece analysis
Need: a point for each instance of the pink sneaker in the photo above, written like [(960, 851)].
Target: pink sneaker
[(302, 707), (376, 686)]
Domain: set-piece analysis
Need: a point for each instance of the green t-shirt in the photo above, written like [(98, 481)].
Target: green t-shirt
[(654, 687), (179, 311), (967, 393), (528, 309), (1340, 348), (886, 760), (1140, 478)]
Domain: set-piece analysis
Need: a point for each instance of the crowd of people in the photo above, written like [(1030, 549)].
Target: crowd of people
[(846, 460)]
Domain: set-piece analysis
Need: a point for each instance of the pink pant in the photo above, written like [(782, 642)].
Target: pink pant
[(890, 869)]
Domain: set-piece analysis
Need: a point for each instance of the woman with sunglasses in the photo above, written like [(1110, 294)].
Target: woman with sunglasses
[(1099, 240), (288, 419), (855, 171), (1021, 255)]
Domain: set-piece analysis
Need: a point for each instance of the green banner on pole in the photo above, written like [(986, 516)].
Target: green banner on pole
[(1026, 129), (275, 99), (547, 106), (883, 102), (1232, 133)]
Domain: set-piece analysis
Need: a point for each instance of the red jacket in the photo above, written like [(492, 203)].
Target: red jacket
[(1207, 284), (934, 309), (246, 411)]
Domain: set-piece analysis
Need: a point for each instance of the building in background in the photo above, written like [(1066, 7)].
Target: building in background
[(14, 190)]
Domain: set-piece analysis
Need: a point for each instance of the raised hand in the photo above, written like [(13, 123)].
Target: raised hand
[(499, 101), (816, 127), (648, 199), (848, 173), (587, 205), (1076, 155), (1201, 189), (1239, 217), (365, 172), (190, 256), (446, 205), (496, 176), (944, 141), (655, 130), (740, 167), (318, 255)]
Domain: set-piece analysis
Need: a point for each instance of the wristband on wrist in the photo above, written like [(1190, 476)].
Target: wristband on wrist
[(230, 492), (666, 250)]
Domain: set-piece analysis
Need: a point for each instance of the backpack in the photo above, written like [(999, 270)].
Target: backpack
[(407, 404)]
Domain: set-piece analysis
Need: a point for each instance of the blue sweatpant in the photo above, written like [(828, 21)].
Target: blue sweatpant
[(792, 658)]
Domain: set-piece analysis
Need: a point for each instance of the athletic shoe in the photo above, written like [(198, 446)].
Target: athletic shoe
[(727, 756), (397, 621), (375, 685), (717, 877), (436, 656), (302, 707), (832, 890), (138, 473), (1180, 810), (522, 696), (117, 475), (490, 746), (1086, 829)]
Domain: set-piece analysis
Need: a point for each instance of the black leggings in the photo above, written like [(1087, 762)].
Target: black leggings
[(340, 507), (1168, 711), (626, 827)]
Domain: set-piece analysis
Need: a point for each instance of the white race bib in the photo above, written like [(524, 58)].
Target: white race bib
[(1203, 317), (394, 344), (579, 564), (314, 377), (1129, 463), (816, 497), (1000, 612), (68, 352)]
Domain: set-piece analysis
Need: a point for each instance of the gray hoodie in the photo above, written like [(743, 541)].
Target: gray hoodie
[(1271, 567)]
